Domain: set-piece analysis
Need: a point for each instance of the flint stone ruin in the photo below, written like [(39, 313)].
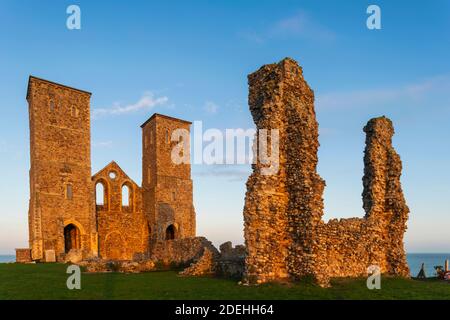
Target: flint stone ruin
[(284, 233)]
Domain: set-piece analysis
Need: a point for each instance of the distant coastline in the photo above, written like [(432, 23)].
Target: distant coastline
[(415, 261), (5, 258)]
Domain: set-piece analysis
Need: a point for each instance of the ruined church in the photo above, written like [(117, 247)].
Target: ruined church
[(106, 215), (285, 236)]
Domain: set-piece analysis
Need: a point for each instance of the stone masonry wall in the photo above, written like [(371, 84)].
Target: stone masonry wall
[(23, 256), (231, 262), (228, 263), (60, 186), (182, 251), (205, 265), (284, 232), (167, 186), (122, 229)]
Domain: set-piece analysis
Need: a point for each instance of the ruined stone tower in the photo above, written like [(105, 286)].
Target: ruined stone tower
[(74, 216), (166, 185), (61, 209), (284, 233)]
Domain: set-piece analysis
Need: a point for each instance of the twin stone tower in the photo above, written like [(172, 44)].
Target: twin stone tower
[(285, 236)]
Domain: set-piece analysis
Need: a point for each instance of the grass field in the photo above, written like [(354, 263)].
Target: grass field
[(48, 281)]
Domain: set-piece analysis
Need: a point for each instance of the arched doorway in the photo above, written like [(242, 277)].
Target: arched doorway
[(71, 238), (170, 232)]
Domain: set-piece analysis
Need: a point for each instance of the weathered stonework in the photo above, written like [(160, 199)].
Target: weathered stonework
[(61, 191), (127, 266), (228, 263), (122, 228), (205, 265), (180, 251), (284, 232), (23, 256), (166, 186), (231, 262)]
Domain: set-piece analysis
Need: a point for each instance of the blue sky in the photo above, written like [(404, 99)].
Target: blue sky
[(190, 59)]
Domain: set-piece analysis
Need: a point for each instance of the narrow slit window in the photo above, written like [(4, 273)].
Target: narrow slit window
[(69, 192), (75, 111)]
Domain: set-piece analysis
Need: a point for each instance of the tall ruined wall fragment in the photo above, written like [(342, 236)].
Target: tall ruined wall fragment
[(383, 199), (284, 232), (278, 207)]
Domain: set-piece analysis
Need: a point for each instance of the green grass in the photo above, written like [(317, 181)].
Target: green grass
[(48, 281)]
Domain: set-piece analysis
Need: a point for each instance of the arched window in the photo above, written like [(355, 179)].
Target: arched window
[(126, 195), (170, 232), (101, 194)]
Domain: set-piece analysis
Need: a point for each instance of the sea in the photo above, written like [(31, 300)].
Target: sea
[(430, 260), (415, 261)]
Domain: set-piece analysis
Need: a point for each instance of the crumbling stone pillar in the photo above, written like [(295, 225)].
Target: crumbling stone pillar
[(282, 210), (284, 233), (383, 200)]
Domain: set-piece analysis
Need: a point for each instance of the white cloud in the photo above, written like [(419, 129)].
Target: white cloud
[(406, 93), (146, 102), (210, 107)]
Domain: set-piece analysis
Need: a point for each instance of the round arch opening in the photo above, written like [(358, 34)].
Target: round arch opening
[(72, 239), (171, 232)]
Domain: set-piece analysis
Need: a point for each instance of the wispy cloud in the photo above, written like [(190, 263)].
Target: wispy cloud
[(146, 102), (210, 107), (252, 36), (413, 92), (102, 144), (232, 174), (299, 25)]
